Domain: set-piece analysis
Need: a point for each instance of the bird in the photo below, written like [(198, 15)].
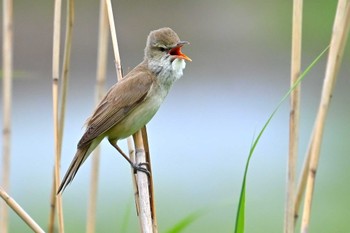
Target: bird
[(132, 102)]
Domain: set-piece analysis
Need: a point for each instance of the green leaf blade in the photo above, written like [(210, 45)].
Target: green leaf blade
[(240, 217)]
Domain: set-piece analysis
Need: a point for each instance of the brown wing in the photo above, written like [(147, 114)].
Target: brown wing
[(120, 100)]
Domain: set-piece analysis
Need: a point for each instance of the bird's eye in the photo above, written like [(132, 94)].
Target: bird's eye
[(162, 49)]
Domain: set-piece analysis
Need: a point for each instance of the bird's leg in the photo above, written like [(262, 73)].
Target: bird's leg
[(136, 167)]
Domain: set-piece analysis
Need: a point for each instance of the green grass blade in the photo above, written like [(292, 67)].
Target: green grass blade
[(240, 217), (185, 222)]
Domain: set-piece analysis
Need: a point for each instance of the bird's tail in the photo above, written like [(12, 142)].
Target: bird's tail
[(79, 158)]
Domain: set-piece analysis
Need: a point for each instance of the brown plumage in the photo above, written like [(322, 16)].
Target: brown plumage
[(133, 101)]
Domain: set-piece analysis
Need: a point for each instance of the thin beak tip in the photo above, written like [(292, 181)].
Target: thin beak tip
[(181, 43)]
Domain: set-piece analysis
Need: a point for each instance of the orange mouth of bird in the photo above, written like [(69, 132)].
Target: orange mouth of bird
[(176, 51)]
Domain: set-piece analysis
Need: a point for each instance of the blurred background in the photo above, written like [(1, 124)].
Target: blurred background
[(201, 136)]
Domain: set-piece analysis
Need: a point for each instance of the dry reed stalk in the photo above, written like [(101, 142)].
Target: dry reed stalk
[(302, 182), (52, 214), (338, 41), (20, 212), (65, 70), (303, 177), (92, 202), (64, 87), (151, 186), (7, 53), (294, 115), (118, 65), (145, 215), (100, 89), (55, 78), (143, 206), (133, 176)]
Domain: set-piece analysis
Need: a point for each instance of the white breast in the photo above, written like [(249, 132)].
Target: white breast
[(167, 71), (178, 65)]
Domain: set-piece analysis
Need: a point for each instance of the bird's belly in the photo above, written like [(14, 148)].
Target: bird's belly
[(135, 120)]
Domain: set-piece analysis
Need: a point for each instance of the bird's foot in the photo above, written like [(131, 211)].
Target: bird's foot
[(142, 167)]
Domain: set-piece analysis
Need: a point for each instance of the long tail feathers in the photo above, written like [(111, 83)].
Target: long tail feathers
[(78, 160)]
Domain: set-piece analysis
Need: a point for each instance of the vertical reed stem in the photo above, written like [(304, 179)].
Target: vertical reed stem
[(114, 40), (151, 186), (100, 89), (55, 78), (65, 70), (145, 215), (142, 179), (302, 182), (294, 115), (64, 87), (7, 54)]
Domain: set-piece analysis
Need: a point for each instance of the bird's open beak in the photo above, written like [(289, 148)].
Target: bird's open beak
[(176, 51)]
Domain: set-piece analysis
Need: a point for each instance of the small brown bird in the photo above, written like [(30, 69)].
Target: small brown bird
[(132, 102)]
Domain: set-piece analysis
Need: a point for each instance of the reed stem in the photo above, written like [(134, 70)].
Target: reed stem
[(143, 199), (20, 212), (100, 90), (55, 79), (294, 115), (7, 54), (145, 215), (338, 41), (64, 88)]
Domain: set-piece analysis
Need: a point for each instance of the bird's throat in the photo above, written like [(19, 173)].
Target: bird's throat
[(178, 65), (167, 70)]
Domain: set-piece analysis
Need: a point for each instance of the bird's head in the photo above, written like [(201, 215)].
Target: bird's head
[(164, 43)]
